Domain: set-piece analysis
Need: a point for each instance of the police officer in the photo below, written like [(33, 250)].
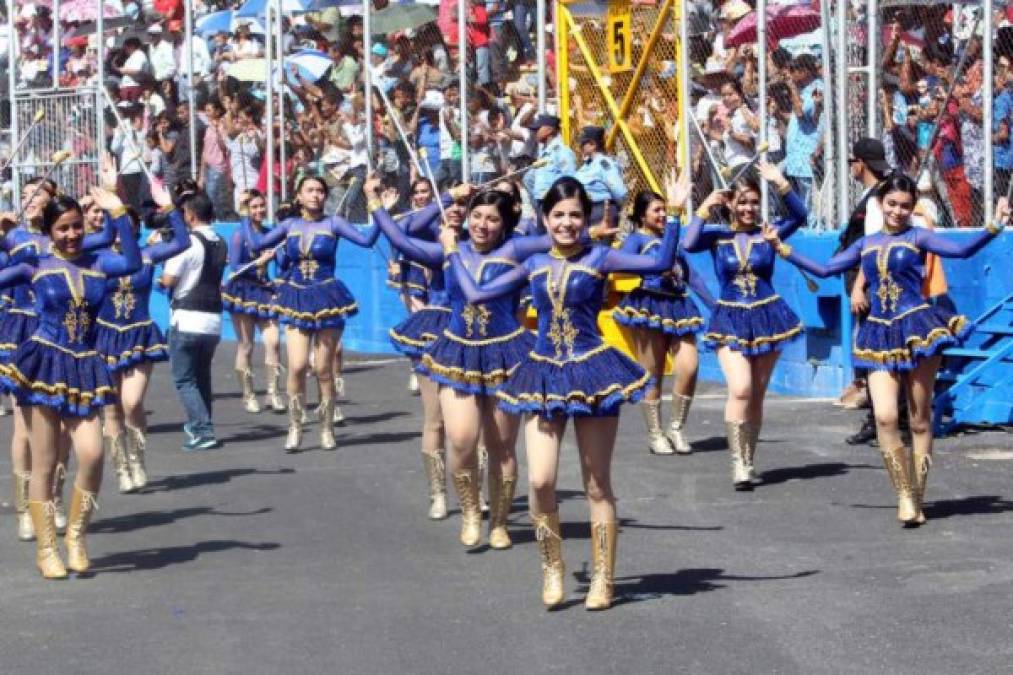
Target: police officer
[(601, 177), (560, 160)]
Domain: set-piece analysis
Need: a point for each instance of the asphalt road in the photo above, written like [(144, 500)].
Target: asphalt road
[(247, 560)]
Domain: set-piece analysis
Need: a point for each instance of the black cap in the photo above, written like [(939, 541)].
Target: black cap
[(592, 135), (544, 121), (872, 152)]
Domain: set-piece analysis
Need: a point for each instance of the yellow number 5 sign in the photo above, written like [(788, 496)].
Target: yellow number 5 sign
[(618, 36)]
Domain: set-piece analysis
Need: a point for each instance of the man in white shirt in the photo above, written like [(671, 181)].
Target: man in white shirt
[(127, 145), (162, 55), (194, 277), (134, 69)]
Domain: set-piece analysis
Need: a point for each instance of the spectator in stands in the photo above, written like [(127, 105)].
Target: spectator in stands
[(127, 146), (162, 56), (133, 70), (804, 127), (213, 174), (1002, 128)]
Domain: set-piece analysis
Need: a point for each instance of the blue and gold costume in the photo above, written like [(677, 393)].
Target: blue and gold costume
[(411, 276), (749, 317), (571, 370), (310, 297), (901, 328), (662, 303), (24, 244), (125, 335), (251, 292), (58, 365)]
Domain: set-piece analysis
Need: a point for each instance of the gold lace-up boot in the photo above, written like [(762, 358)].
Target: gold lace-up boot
[(118, 450), (656, 441), (921, 462), (501, 497), (26, 532), (898, 467), (138, 442), (47, 555), (250, 403), (60, 514), (483, 466), (680, 411), (752, 438), (737, 444), (295, 422), (82, 506), (466, 484), (327, 441), (550, 551), (436, 473), (274, 398), (603, 562)]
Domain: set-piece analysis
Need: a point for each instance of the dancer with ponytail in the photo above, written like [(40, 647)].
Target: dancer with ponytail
[(663, 319), (571, 371), (902, 339), (131, 343), (56, 374), (247, 296), (751, 322)]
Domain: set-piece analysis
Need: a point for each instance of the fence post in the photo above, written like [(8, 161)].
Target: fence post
[(685, 107), (540, 48), (100, 108), (367, 80), (843, 189), (761, 49), (12, 81), (827, 189), (56, 40), (872, 59), (462, 73), (987, 83), (269, 85), (283, 154), (190, 92)]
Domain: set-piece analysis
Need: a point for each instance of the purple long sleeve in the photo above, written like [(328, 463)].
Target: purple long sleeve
[(179, 243), (427, 253), (618, 261)]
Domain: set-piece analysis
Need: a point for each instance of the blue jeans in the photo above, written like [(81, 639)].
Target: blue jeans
[(523, 12), (482, 65), (191, 355), (216, 185)]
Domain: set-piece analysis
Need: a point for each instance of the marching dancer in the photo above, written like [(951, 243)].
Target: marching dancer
[(131, 343), (751, 322), (57, 374), (571, 371), (663, 318), (311, 303), (247, 296), (902, 338)]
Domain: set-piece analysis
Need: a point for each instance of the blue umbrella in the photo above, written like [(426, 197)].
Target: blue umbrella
[(317, 5), (224, 21), (258, 7), (311, 64)]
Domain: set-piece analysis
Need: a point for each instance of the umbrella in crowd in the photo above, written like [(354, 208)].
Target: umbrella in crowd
[(317, 5), (225, 21), (312, 64), (248, 70), (259, 7), (397, 18), (783, 21), (87, 10)]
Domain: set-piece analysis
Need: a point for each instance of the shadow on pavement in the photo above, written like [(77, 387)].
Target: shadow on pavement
[(967, 506), (808, 472), (157, 558), (712, 444), (378, 439), (523, 533), (190, 480), (260, 432), (380, 417), (138, 521)]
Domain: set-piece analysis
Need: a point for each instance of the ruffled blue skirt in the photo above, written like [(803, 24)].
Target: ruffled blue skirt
[(121, 349), (593, 385), (476, 367), (16, 327), (40, 373), (760, 328), (669, 314), (314, 306), (902, 343), (413, 336), (242, 295), (410, 278)]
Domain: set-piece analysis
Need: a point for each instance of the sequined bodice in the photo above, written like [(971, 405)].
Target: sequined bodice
[(744, 264), (672, 282), (312, 249), (894, 268), (127, 298), (28, 247), (68, 296), (567, 294), (479, 321)]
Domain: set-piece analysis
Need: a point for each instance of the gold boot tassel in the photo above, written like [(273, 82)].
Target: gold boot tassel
[(899, 468), (249, 395), (25, 530), (135, 457), (737, 441), (466, 484), (47, 555), (921, 463), (295, 422), (550, 550), (501, 497), (656, 441), (436, 473), (82, 506), (680, 412), (327, 441), (603, 561)]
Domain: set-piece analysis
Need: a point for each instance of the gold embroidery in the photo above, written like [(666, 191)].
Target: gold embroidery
[(308, 267), (889, 291), (562, 332), (77, 321), (476, 314), (745, 280), (124, 300)]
